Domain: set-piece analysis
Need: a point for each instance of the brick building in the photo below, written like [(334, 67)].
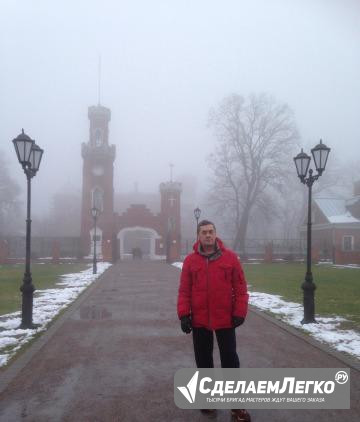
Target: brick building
[(336, 228), (157, 235)]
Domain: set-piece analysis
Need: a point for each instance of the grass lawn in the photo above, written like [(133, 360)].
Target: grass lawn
[(337, 292), (44, 276)]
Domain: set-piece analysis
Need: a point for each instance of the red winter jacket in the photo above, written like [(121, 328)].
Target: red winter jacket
[(212, 290)]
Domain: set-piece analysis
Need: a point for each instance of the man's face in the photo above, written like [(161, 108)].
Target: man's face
[(207, 235)]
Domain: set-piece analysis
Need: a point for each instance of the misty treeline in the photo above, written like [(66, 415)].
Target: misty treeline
[(254, 184), (10, 204), (254, 192), (63, 216)]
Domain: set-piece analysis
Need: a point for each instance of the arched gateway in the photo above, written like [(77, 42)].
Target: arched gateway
[(157, 235), (141, 238)]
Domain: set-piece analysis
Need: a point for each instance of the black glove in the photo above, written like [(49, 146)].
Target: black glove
[(236, 320), (186, 324)]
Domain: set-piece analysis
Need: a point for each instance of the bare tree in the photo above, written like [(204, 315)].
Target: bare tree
[(63, 217), (291, 208), (255, 145), (341, 176), (9, 201)]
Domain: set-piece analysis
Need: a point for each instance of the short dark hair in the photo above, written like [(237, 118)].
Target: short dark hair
[(205, 223)]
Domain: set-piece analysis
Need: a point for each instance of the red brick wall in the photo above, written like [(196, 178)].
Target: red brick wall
[(347, 257), (329, 242), (322, 241), (4, 251)]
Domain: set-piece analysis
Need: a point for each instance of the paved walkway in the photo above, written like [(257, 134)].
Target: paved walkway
[(112, 357)]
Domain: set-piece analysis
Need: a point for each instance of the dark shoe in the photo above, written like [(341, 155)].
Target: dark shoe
[(240, 415)]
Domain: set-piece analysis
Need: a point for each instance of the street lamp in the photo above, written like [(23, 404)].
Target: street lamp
[(197, 213), (29, 155), (320, 155), (95, 214)]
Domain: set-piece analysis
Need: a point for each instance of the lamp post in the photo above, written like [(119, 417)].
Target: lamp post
[(197, 213), (29, 156), (95, 214), (320, 155)]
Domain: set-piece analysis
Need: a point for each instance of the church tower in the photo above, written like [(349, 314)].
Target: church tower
[(97, 189), (170, 211)]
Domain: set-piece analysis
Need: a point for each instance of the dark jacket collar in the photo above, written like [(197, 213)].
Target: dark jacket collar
[(219, 248)]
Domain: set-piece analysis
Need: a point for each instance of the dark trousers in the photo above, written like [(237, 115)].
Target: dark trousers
[(204, 346)]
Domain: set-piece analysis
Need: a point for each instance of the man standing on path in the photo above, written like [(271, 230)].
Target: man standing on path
[(213, 297)]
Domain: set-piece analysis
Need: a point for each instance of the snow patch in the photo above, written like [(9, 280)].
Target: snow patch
[(327, 330), (47, 304)]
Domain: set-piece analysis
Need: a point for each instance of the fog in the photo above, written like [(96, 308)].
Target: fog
[(164, 64)]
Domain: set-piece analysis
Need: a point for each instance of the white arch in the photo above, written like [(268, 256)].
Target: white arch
[(154, 235)]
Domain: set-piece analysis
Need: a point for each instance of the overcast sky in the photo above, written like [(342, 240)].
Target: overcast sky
[(164, 64)]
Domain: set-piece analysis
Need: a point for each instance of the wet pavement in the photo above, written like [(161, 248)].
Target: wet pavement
[(113, 355)]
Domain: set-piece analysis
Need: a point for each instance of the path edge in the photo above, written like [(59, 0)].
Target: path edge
[(353, 363), (7, 375)]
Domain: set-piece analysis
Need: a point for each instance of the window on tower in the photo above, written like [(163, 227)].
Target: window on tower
[(171, 224), (98, 135), (97, 199)]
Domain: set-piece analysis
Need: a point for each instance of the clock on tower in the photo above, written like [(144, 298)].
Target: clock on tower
[(97, 170)]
